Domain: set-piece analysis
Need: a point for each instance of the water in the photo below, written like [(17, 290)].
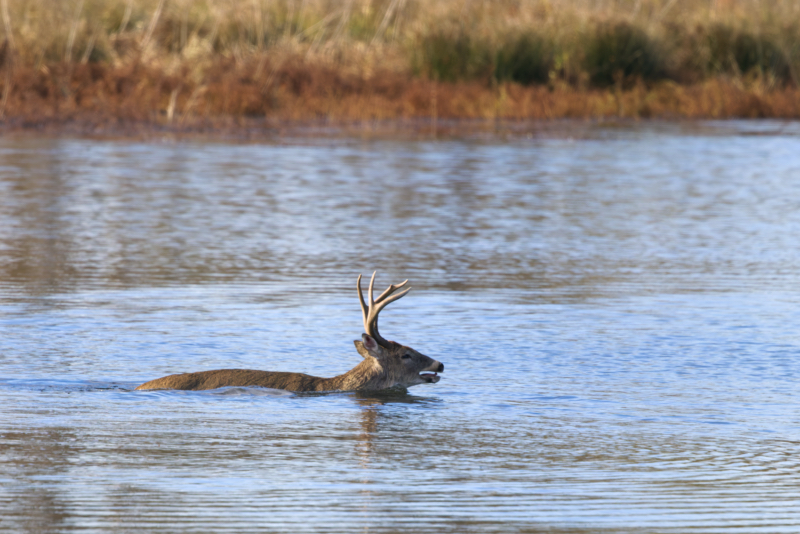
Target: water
[(617, 309)]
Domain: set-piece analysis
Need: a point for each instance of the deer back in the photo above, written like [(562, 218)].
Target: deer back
[(237, 378)]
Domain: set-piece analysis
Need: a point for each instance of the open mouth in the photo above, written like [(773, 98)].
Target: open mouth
[(430, 378)]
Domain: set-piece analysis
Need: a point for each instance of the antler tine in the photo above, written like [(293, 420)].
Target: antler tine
[(382, 304), (369, 292), (364, 309), (370, 313), (372, 319), (391, 289)]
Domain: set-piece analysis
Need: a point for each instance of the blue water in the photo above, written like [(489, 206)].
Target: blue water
[(616, 307)]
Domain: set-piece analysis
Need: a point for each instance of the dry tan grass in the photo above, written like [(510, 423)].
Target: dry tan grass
[(184, 61)]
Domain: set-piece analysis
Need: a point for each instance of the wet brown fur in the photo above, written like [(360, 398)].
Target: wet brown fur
[(382, 368)]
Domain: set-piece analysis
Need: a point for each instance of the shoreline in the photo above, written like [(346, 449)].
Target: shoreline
[(293, 132), (143, 102)]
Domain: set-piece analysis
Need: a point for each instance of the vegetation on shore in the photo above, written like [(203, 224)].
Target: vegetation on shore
[(185, 62)]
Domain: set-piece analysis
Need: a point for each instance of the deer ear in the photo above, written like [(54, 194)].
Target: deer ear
[(369, 343)]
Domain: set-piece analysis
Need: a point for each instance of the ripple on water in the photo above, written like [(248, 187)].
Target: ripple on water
[(615, 315)]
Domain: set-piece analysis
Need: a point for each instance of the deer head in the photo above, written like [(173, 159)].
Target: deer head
[(402, 366)]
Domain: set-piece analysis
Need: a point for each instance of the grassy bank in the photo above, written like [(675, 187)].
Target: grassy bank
[(184, 62)]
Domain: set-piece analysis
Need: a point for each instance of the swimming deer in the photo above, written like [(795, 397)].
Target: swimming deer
[(386, 364)]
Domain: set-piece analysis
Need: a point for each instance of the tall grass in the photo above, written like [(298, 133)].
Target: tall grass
[(580, 44), (526, 58), (622, 52), (529, 41)]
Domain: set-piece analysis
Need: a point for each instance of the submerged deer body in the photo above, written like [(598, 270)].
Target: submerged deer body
[(386, 364)]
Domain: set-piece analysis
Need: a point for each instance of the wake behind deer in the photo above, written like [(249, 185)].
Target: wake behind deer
[(386, 364)]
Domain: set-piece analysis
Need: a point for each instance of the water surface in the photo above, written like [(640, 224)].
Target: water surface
[(616, 308)]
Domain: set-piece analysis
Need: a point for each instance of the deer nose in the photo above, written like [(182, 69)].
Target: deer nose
[(440, 368)]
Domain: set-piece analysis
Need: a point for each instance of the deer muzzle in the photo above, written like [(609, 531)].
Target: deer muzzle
[(436, 367)]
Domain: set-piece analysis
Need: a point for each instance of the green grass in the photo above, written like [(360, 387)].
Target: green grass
[(527, 58), (744, 53), (452, 55), (621, 53)]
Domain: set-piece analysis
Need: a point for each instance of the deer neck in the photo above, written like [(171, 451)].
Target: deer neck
[(366, 375)]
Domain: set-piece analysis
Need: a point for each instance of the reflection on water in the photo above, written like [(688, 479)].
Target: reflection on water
[(617, 315), (667, 209)]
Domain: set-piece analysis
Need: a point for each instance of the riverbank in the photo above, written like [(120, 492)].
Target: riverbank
[(104, 96), (191, 65)]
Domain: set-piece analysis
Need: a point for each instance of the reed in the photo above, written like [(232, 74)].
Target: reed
[(183, 61)]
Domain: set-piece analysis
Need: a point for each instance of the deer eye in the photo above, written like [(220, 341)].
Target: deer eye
[(405, 356)]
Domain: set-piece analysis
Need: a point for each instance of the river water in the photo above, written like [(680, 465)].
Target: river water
[(617, 308)]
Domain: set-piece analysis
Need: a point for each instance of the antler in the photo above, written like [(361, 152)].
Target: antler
[(370, 313)]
